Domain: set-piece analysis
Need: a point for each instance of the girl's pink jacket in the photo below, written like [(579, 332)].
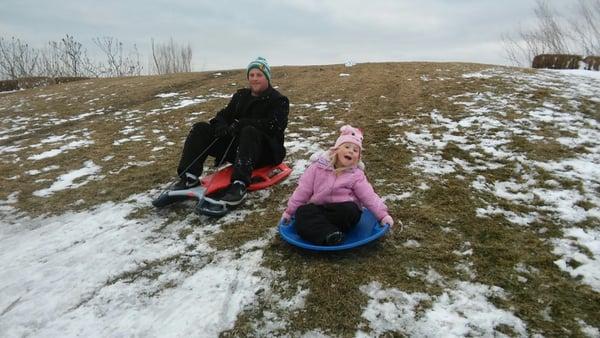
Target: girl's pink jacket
[(319, 184)]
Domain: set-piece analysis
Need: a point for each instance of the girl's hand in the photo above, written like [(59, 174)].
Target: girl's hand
[(286, 218), (387, 220)]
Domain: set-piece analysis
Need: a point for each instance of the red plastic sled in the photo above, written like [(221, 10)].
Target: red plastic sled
[(261, 178)]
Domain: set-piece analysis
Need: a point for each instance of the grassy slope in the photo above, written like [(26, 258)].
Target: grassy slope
[(373, 97)]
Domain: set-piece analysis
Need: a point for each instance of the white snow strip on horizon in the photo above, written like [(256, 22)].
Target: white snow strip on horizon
[(576, 72)]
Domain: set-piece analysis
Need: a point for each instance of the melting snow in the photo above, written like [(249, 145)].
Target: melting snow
[(55, 152), (102, 273), (462, 311), (66, 181)]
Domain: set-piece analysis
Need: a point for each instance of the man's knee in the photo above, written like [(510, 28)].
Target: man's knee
[(200, 128)]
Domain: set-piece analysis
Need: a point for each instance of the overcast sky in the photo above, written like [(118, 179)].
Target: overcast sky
[(228, 34)]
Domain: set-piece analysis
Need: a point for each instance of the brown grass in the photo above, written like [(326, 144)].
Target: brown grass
[(386, 100)]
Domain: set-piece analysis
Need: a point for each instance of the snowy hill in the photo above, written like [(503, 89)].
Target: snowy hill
[(495, 173)]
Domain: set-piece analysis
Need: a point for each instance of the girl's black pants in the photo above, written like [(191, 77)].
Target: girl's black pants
[(314, 222)]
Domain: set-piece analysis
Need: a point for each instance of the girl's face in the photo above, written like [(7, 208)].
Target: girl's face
[(348, 154), (258, 81)]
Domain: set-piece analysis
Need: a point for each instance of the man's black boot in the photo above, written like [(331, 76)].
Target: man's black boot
[(187, 181), (235, 194)]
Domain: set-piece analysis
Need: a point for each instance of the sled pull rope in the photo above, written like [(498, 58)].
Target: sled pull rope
[(191, 164), (222, 158)]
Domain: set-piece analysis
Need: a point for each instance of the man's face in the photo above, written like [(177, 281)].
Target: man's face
[(258, 81)]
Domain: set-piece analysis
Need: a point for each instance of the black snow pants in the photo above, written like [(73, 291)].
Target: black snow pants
[(248, 151), (314, 222)]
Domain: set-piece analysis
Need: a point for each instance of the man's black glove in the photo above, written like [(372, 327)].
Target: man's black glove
[(234, 128), (221, 130)]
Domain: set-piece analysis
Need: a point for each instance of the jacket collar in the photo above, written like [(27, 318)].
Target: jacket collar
[(270, 91)]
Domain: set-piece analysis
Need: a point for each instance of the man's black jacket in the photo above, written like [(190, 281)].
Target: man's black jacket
[(267, 113)]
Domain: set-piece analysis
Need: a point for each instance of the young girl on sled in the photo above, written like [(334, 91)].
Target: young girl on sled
[(332, 191)]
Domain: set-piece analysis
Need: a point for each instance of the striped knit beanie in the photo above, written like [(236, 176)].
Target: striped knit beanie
[(260, 63)]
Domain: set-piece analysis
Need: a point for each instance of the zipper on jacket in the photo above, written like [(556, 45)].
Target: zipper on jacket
[(333, 185)]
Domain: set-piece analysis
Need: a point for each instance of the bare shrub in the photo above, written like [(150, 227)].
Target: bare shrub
[(69, 58), (592, 62), (556, 61), (8, 85), (72, 57), (171, 58), (17, 58), (35, 81), (556, 34), (586, 27), (65, 79), (117, 62)]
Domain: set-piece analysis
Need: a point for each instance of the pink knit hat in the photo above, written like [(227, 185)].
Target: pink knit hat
[(349, 135)]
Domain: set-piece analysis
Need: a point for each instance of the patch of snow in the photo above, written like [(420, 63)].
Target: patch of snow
[(563, 203), (56, 138), (577, 72), (43, 170), (55, 152), (66, 181), (167, 95), (411, 243), (588, 267), (432, 165), (511, 216), (478, 75), (101, 273), (10, 149), (588, 330), (394, 197), (458, 312)]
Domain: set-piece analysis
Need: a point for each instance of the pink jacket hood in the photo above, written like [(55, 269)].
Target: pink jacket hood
[(319, 184)]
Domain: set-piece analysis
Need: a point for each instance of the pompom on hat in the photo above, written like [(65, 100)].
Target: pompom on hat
[(349, 134), (261, 64)]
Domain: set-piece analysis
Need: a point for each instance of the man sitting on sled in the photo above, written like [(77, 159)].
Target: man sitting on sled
[(248, 132)]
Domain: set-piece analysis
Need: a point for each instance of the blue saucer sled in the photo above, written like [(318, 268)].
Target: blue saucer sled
[(367, 230)]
